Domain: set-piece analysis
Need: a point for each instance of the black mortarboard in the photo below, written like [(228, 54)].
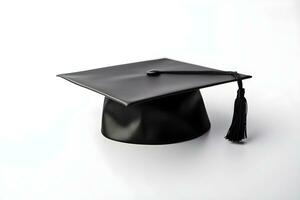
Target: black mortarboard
[(158, 101)]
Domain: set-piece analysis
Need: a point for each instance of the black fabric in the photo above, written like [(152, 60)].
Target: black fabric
[(167, 120), (129, 83)]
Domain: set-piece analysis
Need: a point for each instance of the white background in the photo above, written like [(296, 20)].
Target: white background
[(50, 141)]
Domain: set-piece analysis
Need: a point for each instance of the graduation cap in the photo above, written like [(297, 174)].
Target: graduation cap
[(158, 101)]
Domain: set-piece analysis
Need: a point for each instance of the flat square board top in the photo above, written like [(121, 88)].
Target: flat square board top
[(129, 83)]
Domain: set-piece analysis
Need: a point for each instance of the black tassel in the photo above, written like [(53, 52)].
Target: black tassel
[(238, 131)]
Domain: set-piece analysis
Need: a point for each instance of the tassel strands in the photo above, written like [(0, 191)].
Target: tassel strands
[(238, 129)]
